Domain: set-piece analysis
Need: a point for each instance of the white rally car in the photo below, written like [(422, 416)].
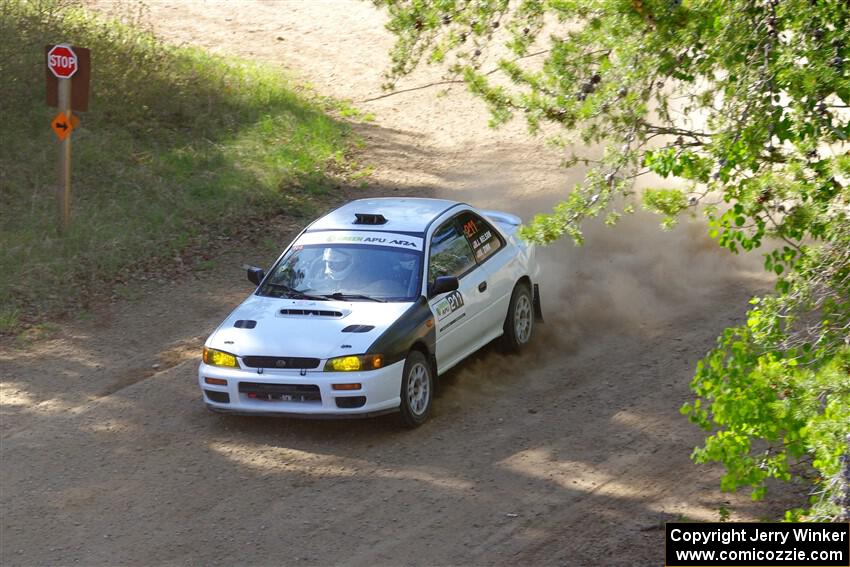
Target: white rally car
[(367, 306)]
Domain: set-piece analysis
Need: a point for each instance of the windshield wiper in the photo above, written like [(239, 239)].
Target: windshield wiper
[(343, 296), (294, 293)]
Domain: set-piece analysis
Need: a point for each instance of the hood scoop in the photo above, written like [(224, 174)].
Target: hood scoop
[(301, 312), (358, 328)]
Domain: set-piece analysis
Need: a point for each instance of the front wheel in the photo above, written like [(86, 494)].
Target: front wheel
[(519, 322), (417, 390)]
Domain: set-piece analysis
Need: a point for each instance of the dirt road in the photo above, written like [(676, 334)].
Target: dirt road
[(572, 454)]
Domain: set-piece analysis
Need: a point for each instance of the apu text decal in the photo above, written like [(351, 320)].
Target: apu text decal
[(371, 240), (374, 238)]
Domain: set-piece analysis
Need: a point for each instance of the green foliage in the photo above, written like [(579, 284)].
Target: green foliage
[(177, 147), (8, 319), (746, 103), (667, 202)]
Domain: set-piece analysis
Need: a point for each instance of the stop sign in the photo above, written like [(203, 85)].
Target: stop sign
[(62, 61)]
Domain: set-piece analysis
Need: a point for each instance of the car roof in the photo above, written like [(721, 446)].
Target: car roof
[(408, 214)]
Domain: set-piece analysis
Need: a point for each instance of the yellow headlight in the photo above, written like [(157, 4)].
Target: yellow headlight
[(354, 363), (344, 364), (219, 358)]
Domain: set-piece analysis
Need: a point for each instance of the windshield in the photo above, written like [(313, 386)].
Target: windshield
[(347, 272)]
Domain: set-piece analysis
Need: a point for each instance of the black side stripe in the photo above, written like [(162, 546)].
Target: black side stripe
[(412, 326), (452, 322)]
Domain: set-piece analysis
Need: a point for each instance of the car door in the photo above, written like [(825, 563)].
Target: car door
[(492, 257), (456, 313)]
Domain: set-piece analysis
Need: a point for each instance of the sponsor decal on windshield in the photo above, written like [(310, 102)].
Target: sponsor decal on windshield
[(370, 238)]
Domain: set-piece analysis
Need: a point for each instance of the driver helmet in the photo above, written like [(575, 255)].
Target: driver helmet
[(407, 263), (337, 264)]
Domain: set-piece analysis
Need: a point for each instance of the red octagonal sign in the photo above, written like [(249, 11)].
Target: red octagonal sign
[(62, 61)]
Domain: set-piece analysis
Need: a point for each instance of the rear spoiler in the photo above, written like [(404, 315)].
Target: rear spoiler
[(502, 217)]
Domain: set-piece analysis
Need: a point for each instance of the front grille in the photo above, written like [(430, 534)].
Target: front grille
[(281, 392), (280, 362), (311, 313), (219, 397)]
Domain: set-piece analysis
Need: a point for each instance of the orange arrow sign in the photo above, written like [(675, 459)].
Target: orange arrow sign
[(62, 126)]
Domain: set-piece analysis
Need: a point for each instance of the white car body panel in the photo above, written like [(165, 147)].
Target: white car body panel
[(315, 336), (380, 387), (454, 324)]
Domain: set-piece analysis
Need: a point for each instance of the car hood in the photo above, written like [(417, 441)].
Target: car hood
[(302, 328)]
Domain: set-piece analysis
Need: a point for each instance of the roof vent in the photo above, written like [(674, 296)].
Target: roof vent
[(366, 218)]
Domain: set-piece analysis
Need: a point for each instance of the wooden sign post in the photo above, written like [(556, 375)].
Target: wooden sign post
[(63, 63), (63, 195)]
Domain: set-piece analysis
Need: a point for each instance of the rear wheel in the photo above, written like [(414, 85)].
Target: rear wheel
[(417, 390), (519, 323)]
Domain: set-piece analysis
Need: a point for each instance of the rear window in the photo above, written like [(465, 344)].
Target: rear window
[(482, 238)]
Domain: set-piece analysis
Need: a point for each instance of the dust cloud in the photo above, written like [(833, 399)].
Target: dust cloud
[(632, 279)]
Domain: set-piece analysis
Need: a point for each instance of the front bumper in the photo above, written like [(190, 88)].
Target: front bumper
[(291, 393)]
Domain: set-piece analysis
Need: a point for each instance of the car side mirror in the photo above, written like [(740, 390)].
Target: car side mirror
[(444, 284), (256, 275)]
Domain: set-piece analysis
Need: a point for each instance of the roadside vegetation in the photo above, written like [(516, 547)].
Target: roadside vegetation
[(178, 147), (744, 107)]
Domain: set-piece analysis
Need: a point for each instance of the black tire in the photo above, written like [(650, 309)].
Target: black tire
[(417, 390), (519, 322)]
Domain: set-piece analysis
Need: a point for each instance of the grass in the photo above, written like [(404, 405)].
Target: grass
[(177, 147), (8, 319)]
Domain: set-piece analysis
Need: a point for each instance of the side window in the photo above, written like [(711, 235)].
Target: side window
[(482, 237), (451, 254)]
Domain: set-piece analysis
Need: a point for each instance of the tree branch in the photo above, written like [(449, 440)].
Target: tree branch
[(447, 81)]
